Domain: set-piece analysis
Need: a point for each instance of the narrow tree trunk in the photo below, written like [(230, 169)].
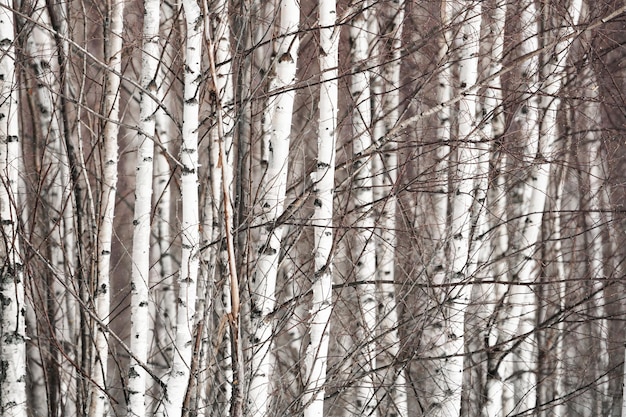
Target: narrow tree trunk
[(385, 113), (486, 226), (162, 256), (495, 293), (462, 206), (522, 360), (316, 356), (72, 211), (273, 188), (529, 121), (436, 272), (12, 326), (180, 375), (113, 58), (140, 288), (364, 249)]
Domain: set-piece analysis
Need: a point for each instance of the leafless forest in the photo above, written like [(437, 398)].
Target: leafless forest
[(256, 208)]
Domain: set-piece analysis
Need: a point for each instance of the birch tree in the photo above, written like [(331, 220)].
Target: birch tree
[(109, 161), (12, 325), (162, 256), (561, 408), (529, 21), (386, 114), (140, 317), (323, 179), (363, 250), (496, 245), (180, 375), (522, 297), (275, 158), (249, 129), (462, 204), (436, 272), (488, 213)]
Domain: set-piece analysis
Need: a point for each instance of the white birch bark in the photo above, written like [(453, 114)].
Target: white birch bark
[(316, 357), (529, 68), (163, 258), (13, 402), (217, 260), (364, 250), (520, 364), (529, 121), (273, 188), (432, 335), (140, 281), (386, 113), (180, 376), (164, 316), (462, 204), (113, 58), (494, 293), (444, 134), (486, 223)]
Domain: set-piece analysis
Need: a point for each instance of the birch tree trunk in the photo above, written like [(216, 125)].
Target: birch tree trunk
[(462, 204), (113, 58), (180, 375), (529, 120), (522, 360), (497, 244), (12, 323), (386, 113), (487, 218), (316, 357), (494, 294), (432, 335), (273, 188), (140, 279), (163, 258), (364, 249)]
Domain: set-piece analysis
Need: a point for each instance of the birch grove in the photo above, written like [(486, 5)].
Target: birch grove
[(318, 208)]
